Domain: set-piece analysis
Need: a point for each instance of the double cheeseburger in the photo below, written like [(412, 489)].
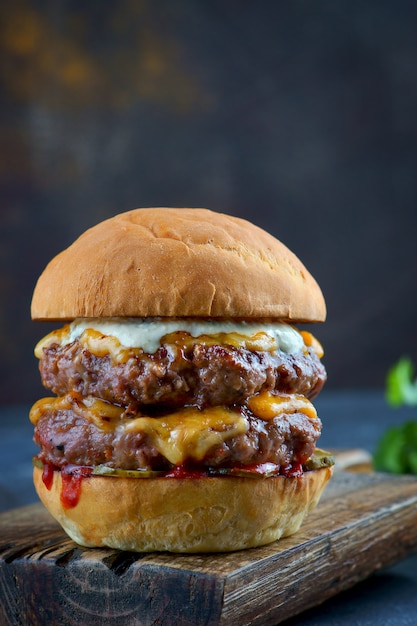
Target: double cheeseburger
[(181, 418)]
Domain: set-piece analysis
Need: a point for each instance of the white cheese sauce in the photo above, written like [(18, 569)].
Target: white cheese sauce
[(146, 333)]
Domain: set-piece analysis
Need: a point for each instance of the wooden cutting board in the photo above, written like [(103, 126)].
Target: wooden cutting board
[(363, 522)]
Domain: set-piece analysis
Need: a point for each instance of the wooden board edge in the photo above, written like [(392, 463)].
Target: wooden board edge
[(341, 559)]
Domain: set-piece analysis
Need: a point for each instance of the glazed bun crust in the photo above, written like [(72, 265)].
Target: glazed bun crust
[(184, 515), (177, 262)]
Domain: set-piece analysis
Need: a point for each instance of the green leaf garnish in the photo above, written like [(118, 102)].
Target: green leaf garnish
[(400, 387), (396, 451)]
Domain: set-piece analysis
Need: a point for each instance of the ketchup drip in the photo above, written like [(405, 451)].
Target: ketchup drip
[(48, 475), (72, 478)]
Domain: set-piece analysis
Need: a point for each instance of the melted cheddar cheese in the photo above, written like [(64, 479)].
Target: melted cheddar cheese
[(189, 433), (311, 342), (267, 405)]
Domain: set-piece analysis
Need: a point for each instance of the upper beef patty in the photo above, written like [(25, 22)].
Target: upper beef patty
[(203, 375)]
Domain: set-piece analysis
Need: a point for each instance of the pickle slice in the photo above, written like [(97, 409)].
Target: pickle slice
[(104, 470), (264, 472), (319, 458), (36, 462)]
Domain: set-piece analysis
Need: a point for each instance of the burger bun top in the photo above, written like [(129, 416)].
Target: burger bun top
[(177, 262)]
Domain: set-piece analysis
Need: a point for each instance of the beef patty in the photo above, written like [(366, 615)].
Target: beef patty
[(203, 375), (66, 435)]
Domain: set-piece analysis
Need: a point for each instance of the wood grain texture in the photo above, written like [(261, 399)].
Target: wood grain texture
[(364, 522)]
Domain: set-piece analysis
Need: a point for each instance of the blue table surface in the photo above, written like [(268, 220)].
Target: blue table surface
[(351, 419)]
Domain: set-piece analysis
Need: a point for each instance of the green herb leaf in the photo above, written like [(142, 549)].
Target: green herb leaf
[(400, 387), (396, 451)]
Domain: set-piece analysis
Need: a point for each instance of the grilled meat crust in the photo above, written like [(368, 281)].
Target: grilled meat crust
[(173, 377), (69, 437)]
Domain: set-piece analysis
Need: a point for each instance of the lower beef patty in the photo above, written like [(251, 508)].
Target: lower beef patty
[(201, 375), (67, 437)]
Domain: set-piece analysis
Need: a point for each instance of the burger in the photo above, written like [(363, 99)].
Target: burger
[(180, 415)]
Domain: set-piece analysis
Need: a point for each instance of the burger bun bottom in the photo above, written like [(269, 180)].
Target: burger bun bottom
[(213, 514)]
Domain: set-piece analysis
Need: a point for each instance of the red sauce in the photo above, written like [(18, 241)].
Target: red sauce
[(72, 477), (181, 471), (48, 475), (292, 471), (257, 469)]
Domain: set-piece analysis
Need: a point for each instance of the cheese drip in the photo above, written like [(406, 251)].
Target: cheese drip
[(267, 405), (188, 433)]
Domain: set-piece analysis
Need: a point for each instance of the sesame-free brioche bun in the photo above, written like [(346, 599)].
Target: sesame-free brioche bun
[(213, 514), (177, 262)]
